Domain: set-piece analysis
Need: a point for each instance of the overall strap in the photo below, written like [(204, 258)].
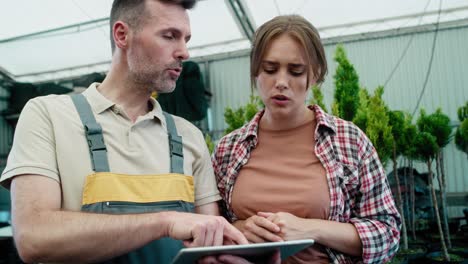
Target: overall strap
[(93, 131), (175, 146)]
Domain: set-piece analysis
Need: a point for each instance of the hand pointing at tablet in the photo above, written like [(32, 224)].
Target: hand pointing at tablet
[(203, 230)]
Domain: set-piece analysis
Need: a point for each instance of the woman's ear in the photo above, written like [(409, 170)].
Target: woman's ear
[(120, 32), (312, 79)]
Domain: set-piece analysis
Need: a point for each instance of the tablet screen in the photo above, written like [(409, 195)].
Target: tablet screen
[(251, 252)]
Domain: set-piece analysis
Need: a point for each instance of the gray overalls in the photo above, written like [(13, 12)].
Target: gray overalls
[(111, 193)]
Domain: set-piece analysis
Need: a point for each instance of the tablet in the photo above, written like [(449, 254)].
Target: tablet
[(251, 252)]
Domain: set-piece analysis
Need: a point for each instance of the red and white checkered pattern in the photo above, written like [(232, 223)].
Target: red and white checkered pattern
[(359, 191)]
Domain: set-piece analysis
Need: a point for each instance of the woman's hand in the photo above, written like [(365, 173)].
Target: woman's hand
[(342, 237), (292, 227), (258, 229)]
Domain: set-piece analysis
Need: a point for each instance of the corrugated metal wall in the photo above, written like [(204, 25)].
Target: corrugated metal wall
[(6, 138), (5, 129), (230, 85), (374, 59)]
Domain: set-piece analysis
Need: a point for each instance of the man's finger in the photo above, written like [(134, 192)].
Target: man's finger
[(209, 236), (218, 237), (234, 235), (198, 237), (187, 243)]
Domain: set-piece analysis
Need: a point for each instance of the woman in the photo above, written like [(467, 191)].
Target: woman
[(296, 172)]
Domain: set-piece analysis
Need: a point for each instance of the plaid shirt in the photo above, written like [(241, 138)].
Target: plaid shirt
[(359, 191)]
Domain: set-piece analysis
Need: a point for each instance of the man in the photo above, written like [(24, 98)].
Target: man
[(95, 176)]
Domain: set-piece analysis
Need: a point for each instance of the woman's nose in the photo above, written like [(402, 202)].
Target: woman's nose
[(282, 81)]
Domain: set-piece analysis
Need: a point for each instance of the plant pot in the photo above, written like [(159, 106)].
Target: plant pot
[(437, 257)]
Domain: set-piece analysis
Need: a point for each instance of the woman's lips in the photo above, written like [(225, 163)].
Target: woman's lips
[(280, 100)]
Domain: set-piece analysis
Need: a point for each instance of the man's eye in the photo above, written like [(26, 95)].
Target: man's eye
[(169, 36)]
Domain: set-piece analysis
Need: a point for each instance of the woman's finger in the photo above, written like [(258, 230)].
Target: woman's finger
[(266, 224)]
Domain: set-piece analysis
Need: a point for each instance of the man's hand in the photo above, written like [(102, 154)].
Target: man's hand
[(292, 227), (202, 230), (259, 229)]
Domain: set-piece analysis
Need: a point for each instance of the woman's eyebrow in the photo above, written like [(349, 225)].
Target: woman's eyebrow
[(267, 62), (296, 65)]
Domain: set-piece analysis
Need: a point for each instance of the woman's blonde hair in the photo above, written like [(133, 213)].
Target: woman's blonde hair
[(302, 31)]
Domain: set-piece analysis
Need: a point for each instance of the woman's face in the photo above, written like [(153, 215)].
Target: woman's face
[(282, 78)]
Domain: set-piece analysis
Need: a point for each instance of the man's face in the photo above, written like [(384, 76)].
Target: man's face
[(158, 47)]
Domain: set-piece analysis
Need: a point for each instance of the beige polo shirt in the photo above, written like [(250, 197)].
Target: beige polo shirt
[(50, 141)]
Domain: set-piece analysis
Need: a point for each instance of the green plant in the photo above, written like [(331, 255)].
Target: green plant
[(438, 125), (409, 152), (234, 118), (373, 119), (346, 86), (461, 135), (209, 143), (238, 117), (317, 98), (426, 148), (397, 124), (361, 115)]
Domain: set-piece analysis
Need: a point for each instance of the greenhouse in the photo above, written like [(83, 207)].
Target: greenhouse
[(407, 61)]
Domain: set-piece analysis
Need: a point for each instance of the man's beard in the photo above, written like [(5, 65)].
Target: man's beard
[(155, 81)]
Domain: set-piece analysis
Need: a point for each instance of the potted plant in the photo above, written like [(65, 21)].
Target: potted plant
[(427, 148), (438, 125), (397, 124)]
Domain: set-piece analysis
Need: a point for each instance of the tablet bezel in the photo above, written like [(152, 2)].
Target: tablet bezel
[(249, 251)]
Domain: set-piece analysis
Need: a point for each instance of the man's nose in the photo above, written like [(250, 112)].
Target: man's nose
[(182, 52)]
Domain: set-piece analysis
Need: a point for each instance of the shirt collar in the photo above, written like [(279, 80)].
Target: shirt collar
[(99, 103), (157, 112), (323, 120), (251, 128)]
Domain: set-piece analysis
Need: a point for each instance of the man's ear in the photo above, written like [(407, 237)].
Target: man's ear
[(120, 32)]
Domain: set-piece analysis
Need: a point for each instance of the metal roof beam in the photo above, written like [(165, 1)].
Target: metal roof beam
[(387, 19), (54, 30), (242, 16)]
